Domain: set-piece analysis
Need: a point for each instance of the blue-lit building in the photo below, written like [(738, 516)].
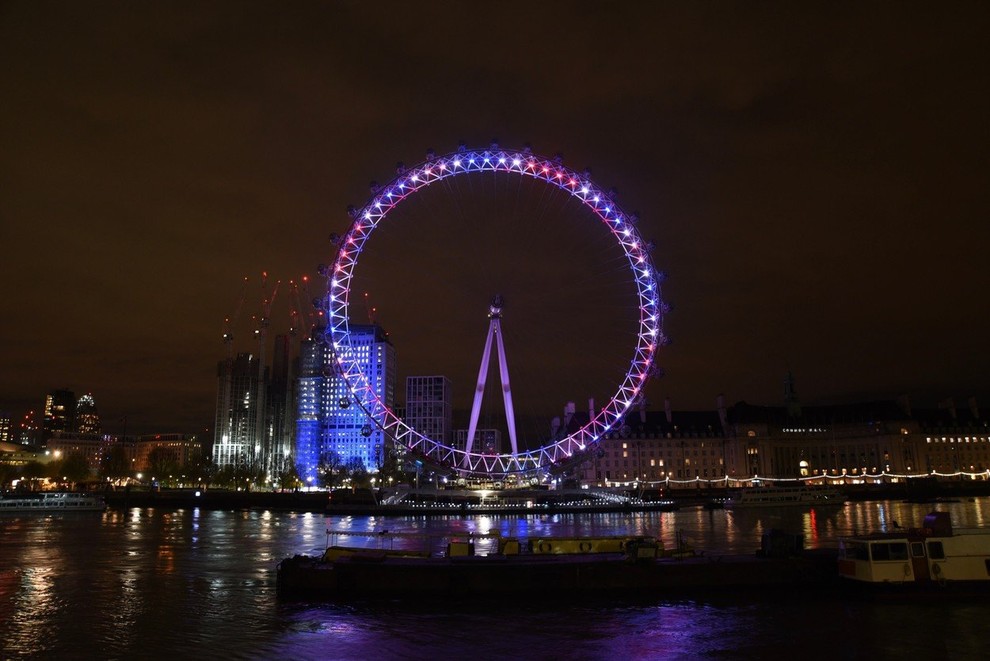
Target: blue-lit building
[(311, 398), (324, 428)]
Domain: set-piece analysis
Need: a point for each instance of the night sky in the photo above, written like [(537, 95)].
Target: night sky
[(814, 176)]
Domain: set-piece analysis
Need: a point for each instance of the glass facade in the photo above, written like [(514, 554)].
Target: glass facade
[(428, 407), (239, 436), (330, 426), (60, 412), (87, 417)]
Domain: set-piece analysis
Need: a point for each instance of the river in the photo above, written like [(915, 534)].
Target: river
[(146, 583)]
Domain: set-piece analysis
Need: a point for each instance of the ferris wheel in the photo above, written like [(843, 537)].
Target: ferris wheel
[(620, 226)]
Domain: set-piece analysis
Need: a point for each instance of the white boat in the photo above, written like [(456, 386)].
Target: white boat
[(784, 497), (933, 555), (52, 501)]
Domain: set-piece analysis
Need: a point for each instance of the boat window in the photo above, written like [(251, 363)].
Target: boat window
[(917, 550), (853, 551), (891, 551), (935, 551)]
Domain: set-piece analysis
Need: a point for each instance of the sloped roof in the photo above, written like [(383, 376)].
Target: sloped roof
[(942, 418), (859, 412)]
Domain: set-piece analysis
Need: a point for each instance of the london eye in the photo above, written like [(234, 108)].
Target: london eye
[(644, 297)]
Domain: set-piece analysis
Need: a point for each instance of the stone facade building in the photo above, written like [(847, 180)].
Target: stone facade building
[(732, 445)]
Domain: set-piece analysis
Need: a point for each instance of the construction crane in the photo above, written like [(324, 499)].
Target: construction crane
[(317, 319), (302, 316), (295, 315), (229, 322), (266, 306), (371, 311)]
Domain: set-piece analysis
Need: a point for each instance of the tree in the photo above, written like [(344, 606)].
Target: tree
[(224, 476), (8, 473), (231, 476), (203, 470), (245, 473), (328, 469), (360, 477), (162, 464), (115, 463), (288, 477), (34, 470), (74, 467)]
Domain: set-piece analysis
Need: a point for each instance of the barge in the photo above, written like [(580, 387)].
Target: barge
[(633, 566)]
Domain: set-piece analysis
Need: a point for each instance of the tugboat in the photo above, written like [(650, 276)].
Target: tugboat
[(933, 556)]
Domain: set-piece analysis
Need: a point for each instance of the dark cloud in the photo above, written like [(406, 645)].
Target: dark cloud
[(814, 178)]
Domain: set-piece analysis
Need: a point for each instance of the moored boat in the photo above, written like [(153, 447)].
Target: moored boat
[(52, 501), (587, 566), (802, 496), (935, 555)]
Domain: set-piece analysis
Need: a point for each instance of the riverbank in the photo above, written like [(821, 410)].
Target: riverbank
[(444, 503), (219, 499), (362, 502)]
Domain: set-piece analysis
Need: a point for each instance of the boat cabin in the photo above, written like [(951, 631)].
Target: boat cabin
[(934, 554)]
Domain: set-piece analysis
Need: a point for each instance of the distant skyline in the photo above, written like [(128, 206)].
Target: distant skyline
[(814, 178)]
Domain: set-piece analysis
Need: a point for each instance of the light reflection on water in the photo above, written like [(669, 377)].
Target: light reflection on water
[(150, 583)]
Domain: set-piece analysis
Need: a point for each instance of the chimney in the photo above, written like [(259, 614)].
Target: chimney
[(642, 410), (950, 405), (722, 416), (569, 413), (791, 401), (973, 408), (904, 402), (591, 409), (666, 408), (554, 426)]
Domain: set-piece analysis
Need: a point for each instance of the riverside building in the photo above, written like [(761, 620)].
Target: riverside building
[(331, 428), (239, 429), (59, 412), (428, 407), (852, 443), (87, 417)]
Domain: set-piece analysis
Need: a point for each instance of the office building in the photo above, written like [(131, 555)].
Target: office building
[(240, 422), (428, 407), (6, 433), (280, 430), (87, 417), (59, 412), (332, 428)]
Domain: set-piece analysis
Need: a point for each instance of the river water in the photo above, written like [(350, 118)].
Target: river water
[(148, 583)]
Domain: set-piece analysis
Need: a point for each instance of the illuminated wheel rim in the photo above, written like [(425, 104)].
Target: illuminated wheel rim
[(622, 226)]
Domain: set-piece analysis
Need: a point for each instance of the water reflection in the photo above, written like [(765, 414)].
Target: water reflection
[(149, 582), (721, 531)]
